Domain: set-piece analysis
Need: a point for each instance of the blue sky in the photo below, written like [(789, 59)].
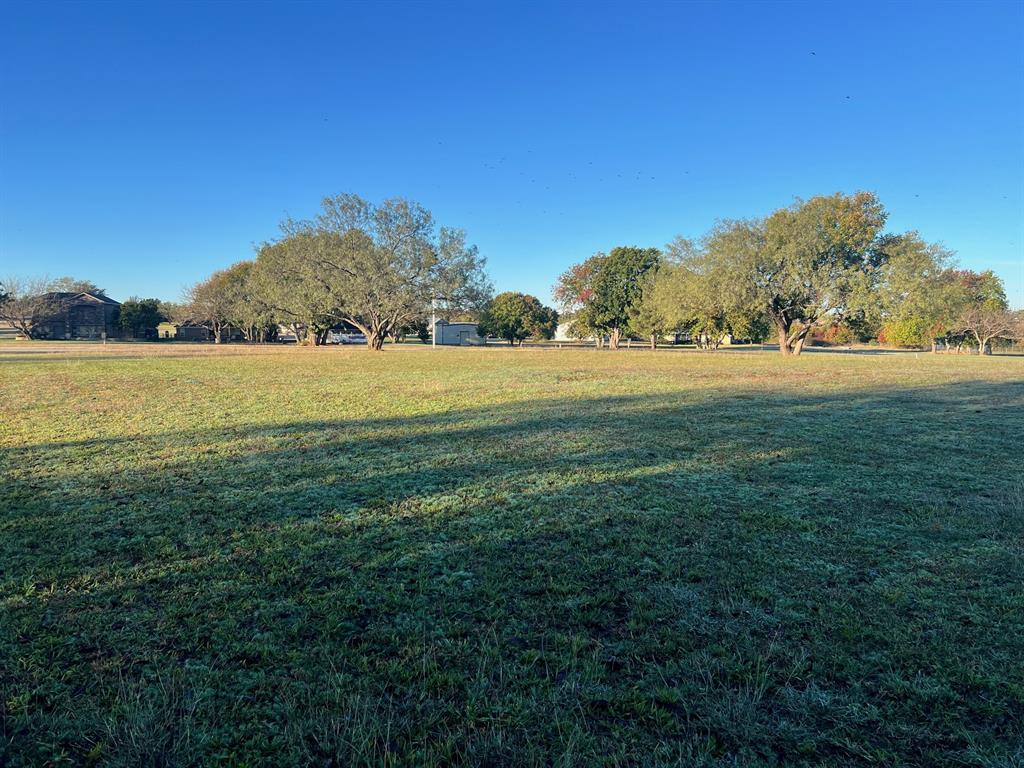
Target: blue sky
[(144, 145)]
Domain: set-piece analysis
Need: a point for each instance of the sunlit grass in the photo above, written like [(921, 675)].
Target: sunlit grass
[(300, 556)]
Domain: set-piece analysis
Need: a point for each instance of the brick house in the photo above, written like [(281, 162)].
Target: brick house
[(80, 316)]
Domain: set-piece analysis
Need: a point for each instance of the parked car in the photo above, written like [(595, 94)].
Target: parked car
[(348, 338)]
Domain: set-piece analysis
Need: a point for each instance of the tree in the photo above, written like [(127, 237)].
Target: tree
[(210, 302), (618, 287), (981, 289), (141, 316), (174, 312), (27, 304), (647, 317), (986, 324), (603, 291), (516, 317), (971, 298), (574, 291), (906, 332), (912, 300), (805, 265), (290, 281), (73, 285), (378, 267), (247, 309), (418, 327), (692, 293)]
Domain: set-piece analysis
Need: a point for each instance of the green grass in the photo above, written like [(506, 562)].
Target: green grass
[(505, 557)]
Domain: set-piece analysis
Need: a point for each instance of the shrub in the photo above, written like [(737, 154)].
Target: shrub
[(909, 332)]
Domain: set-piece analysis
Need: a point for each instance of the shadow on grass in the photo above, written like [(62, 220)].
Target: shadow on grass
[(694, 577)]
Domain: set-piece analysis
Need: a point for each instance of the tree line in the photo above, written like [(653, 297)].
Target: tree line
[(27, 304), (377, 268), (822, 266), (826, 267)]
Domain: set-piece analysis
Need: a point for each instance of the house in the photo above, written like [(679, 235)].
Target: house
[(87, 315), (167, 331), (457, 334), (562, 332)]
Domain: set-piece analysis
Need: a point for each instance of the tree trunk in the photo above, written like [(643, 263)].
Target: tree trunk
[(801, 338), (984, 348), (784, 347), (375, 340), (613, 338), (654, 341)]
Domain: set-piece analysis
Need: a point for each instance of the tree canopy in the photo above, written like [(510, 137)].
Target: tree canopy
[(140, 317), (517, 316), (604, 291), (802, 266), (824, 266), (378, 268), (74, 285)]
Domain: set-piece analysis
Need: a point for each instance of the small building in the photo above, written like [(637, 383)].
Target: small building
[(562, 332), (190, 332), (457, 334), (167, 331), (87, 315)]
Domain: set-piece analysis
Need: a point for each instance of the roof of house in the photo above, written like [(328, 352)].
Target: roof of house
[(85, 295)]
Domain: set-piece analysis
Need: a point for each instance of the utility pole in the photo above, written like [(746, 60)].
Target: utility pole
[(433, 323)]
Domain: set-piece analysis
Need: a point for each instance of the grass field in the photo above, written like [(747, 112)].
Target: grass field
[(509, 557)]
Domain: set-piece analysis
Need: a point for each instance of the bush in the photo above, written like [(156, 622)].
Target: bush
[(838, 334), (909, 332)]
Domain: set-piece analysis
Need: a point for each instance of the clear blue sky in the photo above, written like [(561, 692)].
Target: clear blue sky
[(144, 145)]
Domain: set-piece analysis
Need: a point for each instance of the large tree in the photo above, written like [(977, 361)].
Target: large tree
[(803, 266), (972, 298), (28, 303), (618, 288), (986, 324), (380, 267), (517, 316)]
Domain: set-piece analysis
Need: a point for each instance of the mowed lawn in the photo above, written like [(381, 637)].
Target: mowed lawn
[(509, 557)]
